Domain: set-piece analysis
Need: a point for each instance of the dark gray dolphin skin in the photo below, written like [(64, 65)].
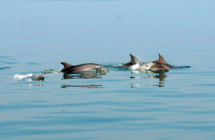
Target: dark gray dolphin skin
[(159, 64), (82, 67), (133, 61)]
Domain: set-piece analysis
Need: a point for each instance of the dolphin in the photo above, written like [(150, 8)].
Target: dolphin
[(133, 61), (159, 64), (68, 68)]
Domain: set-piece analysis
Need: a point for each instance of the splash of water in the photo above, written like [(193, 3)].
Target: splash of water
[(21, 77), (29, 77), (134, 67)]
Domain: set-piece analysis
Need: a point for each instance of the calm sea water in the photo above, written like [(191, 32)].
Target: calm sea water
[(38, 35)]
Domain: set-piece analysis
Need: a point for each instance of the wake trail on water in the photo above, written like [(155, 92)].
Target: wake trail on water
[(133, 67), (180, 67), (29, 77), (36, 77)]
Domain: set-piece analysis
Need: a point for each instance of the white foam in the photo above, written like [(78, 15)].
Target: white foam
[(21, 77), (134, 67)]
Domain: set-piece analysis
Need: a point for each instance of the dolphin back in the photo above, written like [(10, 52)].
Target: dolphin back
[(135, 60), (161, 64), (161, 59), (82, 67), (67, 66)]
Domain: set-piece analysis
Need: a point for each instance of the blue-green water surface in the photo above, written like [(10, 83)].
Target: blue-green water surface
[(119, 105)]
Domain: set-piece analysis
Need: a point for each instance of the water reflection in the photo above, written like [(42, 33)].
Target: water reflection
[(138, 85), (39, 85), (87, 86), (84, 75), (161, 75)]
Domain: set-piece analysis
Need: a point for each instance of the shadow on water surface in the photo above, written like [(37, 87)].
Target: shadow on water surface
[(161, 75)]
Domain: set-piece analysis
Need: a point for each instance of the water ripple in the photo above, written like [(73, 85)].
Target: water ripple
[(3, 68), (6, 62), (26, 106)]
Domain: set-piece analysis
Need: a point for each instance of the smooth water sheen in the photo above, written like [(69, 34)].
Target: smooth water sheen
[(35, 36)]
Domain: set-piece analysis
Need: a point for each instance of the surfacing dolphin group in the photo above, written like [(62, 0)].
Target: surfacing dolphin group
[(134, 64), (97, 69)]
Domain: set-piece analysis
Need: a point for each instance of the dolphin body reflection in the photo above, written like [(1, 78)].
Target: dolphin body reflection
[(159, 64), (87, 86), (161, 75), (83, 75), (68, 68)]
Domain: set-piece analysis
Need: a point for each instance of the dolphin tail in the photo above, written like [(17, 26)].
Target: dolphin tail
[(66, 65)]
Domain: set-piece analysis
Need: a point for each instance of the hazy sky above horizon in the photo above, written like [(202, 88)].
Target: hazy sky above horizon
[(107, 25)]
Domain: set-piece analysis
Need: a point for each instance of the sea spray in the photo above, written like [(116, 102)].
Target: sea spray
[(29, 77), (21, 77), (134, 67)]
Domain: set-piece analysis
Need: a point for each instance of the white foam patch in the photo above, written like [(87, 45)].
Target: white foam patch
[(21, 77), (134, 67)]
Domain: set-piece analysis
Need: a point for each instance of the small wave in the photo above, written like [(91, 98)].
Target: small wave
[(117, 67), (180, 67), (49, 71), (33, 63), (114, 65), (120, 66), (3, 68), (4, 57), (6, 62)]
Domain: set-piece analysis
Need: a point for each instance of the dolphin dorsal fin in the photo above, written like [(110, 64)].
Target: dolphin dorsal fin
[(135, 60), (66, 65), (161, 59)]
